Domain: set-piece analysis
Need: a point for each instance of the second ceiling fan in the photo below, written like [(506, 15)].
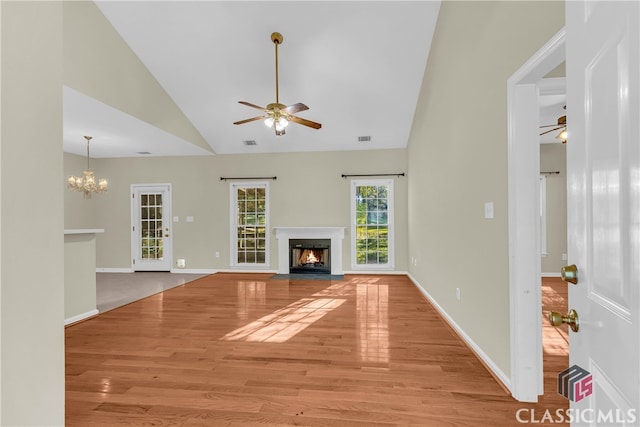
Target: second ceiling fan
[(279, 115)]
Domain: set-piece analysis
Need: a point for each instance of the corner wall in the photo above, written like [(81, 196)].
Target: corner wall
[(457, 161), (32, 264)]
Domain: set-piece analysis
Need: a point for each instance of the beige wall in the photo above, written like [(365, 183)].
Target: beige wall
[(553, 157), (457, 160), (308, 191), (31, 279), (79, 276)]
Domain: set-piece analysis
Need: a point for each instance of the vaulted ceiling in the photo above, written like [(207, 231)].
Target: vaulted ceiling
[(357, 65)]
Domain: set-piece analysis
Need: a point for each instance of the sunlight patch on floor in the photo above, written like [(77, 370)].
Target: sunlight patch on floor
[(283, 324)]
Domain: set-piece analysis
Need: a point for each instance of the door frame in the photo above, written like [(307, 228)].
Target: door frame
[(167, 249), (523, 144)]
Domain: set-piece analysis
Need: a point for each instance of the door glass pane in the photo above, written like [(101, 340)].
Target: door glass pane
[(251, 222), (371, 218), (151, 226)]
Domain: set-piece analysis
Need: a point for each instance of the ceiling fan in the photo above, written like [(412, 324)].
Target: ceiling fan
[(561, 124), (279, 115)]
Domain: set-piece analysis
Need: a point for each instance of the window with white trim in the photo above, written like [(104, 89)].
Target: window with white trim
[(249, 224), (372, 232)]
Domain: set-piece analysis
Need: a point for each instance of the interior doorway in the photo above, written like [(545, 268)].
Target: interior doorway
[(526, 308)]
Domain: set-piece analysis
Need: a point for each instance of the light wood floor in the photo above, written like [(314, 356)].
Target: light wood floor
[(245, 350)]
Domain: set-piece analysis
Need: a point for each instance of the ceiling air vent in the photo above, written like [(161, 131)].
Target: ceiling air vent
[(364, 138), (249, 142)]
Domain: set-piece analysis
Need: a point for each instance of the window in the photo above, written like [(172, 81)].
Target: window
[(372, 224), (250, 222)]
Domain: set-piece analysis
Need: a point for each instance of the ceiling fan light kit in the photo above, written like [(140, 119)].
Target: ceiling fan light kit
[(278, 115)]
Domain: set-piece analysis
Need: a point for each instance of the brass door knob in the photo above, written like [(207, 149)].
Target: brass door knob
[(569, 273), (570, 319), (166, 235)]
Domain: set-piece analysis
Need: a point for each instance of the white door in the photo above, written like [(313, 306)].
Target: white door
[(603, 207), (151, 227)]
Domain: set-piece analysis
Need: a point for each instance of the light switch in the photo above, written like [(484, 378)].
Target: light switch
[(488, 210), (189, 219), (176, 219)]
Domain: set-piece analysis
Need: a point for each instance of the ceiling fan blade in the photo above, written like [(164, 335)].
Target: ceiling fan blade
[(252, 119), (548, 126), (561, 127), (305, 122), (292, 109), (248, 104)]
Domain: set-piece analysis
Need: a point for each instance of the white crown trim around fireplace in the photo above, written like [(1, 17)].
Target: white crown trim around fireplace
[(336, 234)]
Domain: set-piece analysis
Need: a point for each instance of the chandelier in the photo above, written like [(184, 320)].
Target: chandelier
[(87, 183)]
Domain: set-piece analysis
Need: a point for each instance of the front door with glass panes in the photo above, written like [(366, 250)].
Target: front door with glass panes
[(250, 246), (151, 227)]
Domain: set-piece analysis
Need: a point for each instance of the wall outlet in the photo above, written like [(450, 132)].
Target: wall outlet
[(458, 294), (564, 257), (217, 254), (181, 263)]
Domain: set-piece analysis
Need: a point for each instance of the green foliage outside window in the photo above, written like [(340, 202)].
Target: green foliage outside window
[(372, 227)]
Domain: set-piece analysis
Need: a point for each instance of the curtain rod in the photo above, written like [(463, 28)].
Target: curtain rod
[(222, 178), (374, 174), (551, 173)]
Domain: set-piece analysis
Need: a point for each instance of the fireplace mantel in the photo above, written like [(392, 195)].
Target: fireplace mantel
[(336, 234)]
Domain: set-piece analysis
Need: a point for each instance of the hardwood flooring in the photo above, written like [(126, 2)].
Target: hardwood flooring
[(246, 350)]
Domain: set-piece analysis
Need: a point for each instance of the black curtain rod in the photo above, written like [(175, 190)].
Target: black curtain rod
[(551, 173), (374, 174), (222, 178)]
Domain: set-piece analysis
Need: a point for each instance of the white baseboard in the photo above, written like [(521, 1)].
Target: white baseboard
[(378, 272), (80, 317), (246, 270), (114, 270), (551, 274), (486, 360), (193, 271)]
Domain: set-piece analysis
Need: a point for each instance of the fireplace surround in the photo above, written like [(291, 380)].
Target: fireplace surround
[(333, 235)]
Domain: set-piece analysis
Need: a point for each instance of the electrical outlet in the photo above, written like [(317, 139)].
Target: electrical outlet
[(217, 254), (564, 257), (458, 294)]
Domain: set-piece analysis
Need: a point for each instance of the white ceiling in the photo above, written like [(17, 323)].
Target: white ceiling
[(357, 65)]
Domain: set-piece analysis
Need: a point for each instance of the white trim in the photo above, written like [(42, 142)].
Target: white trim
[(554, 274), (244, 270), (79, 317), (378, 272), (113, 270), (84, 231), (543, 215), (525, 300), (233, 226), (489, 363), (167, 206), (193, 271)]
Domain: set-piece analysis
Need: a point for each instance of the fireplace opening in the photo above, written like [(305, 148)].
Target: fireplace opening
[(310, 256)]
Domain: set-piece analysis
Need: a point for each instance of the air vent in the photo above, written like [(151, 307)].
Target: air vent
[(144, 152), (249, 142), (364, 138)]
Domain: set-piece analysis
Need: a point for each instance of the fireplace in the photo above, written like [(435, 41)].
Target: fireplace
[(310, 256), (334, 235)]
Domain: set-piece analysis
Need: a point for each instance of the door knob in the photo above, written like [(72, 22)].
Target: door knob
[(569, 273), (570, 319), (166, 235)]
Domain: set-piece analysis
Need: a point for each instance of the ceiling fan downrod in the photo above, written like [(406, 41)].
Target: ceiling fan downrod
[(277, 39)]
